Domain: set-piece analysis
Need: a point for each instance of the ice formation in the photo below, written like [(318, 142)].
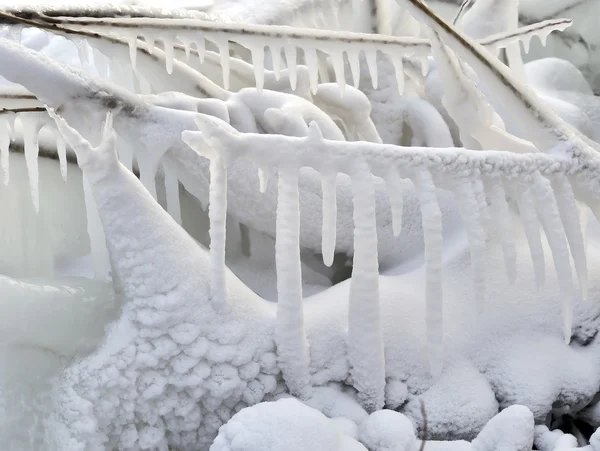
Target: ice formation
[(193, 346)]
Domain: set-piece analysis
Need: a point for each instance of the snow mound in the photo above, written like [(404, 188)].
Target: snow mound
[(284, 424), (387, 430)]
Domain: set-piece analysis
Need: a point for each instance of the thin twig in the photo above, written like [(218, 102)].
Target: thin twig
[(425, 431)]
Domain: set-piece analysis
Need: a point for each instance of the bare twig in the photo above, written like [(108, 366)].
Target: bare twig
[(424, 415)]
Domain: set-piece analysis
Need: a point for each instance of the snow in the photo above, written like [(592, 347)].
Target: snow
[(387, 430), (283, 424), (173, 369)]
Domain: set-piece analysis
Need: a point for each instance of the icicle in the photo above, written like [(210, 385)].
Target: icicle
[(262, 180), (132, 41), (354, 61), (424, 66), (434, 304), (328, 233), (258, 61), (148, 175), (532, 232), (291, 58), (569, 214), (292, 345), (31, 129), (372, 64), (217, 213), (480, 196), (61, 150), (395, 192), (471, 217), (84, 52), (169, 54), (526, 43), (312, 63), (543, 35), (338, 69), (555, 233), (399, 70), (95, 231), (365, 338), (4, 148), (125, 155), (201, 49), (223, 46), (150, 43), (187, 46), (172, 192), (101, 63), (276, 59), (502, 220)]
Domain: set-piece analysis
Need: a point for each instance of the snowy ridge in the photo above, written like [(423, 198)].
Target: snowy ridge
[(465, 171)]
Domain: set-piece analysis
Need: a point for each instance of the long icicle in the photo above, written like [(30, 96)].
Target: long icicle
[(500, 215), (365, 337), (292, 344), (531, 226), (569, 214), (395, 190), (172, 193), (328, 232), (470, 213), (547, 209), (434, 309), (4, 149), (31, 128), (98, 249), (217, 213)]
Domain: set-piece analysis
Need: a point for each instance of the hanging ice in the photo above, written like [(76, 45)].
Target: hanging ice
[(354, 62), (258, 61), (501, 218), (95, 231), (338, 69), (555, 233), (312, 63), (365, 340), (217, 213), (172, 193), (148, 175), (31, 128), (292, 345), (399, 71), (329, 217), (569, 214), (434, 306), (395, 190), (291, 61), (372, 64), (132, 42), (61, 150), (223, 46), (201, 49), (169, 53), (470, 213), (531, 226), (4, 148), (275, 51)]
